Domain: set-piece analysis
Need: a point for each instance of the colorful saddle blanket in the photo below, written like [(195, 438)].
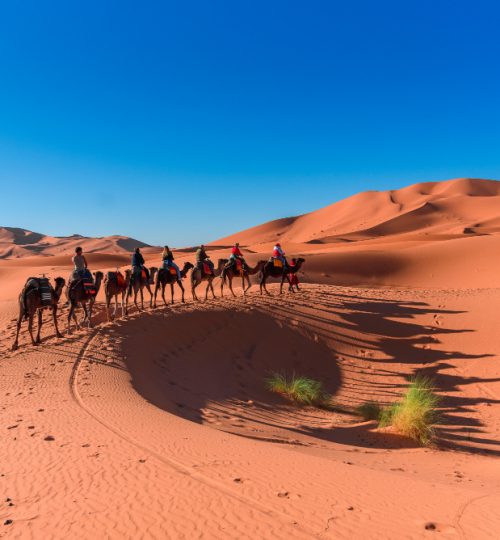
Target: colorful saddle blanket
[(277, 263), (206, 269), (89, 287), (118, 278)]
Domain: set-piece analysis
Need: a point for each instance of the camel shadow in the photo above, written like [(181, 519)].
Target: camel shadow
[(218, 358)]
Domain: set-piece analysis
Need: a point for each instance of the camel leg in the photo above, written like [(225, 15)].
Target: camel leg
[(249, 284), (212, 287), (39, 330), (15, 345), (163, 294), (116, 305), (157, 286), (135, 299), (194, 284), (91, 306), (30, 326), (108, 303), (86, 311), (141, 291), (230, 283), (182, 289), (70, 314), (172, 292), (222, 281), (263, 286), (54, 317), (150, 294)]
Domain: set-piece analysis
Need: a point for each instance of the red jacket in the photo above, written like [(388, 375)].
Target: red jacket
[(236, 251), (278, 252)]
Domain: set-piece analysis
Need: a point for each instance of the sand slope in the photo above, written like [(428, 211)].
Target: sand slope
[(16, 242), (448, 207)]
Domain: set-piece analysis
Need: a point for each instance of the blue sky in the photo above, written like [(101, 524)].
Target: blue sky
[(181, 122)]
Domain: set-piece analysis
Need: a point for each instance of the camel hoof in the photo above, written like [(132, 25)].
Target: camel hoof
[(59, 335), (14, 347)]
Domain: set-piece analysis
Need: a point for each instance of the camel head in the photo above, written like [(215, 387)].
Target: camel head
[(98, 277), (299, 263), (60, 282), (187, 268), (221, 263)]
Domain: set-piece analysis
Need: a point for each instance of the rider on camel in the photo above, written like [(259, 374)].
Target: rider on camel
[(202, 258), (236, 255), (138, 264), (279, 254), (81, 267), (168, 262)]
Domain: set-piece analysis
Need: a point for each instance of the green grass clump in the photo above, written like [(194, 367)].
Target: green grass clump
[(415, 415), (369, 410), (302, 390)]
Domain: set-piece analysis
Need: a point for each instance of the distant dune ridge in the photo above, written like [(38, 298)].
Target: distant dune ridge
[(16, 242), (453, 207)]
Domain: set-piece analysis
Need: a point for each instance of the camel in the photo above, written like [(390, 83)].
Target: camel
[(136, 285), (165, 278), (113, 290), (197, 276), (270, 270), (231, 273), (30, 302), (76, 295)]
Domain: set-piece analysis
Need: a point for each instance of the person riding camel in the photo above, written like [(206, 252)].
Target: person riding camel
[(80, 270), (279, 254), (202, 258), (168, 262), (236, 255), (138, 264)]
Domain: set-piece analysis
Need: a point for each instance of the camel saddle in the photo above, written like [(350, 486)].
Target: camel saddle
[(206, 269), (118, 278), (277, 263), (42, 285), (172, 270), (87, 285)]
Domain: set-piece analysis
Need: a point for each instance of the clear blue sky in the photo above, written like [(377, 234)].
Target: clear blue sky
[(180, 122)]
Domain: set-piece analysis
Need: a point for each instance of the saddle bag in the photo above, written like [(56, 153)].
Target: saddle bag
[(45, 291), (89, 287), (207, 269), (172, 270)]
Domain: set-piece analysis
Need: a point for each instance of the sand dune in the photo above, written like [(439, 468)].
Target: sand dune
[(16, 242), (450, 206), (160, 425)]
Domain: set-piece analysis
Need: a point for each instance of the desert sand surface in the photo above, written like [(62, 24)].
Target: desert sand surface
[(159, 425)]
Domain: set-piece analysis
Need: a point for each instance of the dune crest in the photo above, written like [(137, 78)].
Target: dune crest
[(16, 242), (448, 207)]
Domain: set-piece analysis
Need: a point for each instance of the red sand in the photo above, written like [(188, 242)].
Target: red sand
[(162, 425)]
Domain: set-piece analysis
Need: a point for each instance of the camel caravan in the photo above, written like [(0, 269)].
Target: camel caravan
[(83, 286)]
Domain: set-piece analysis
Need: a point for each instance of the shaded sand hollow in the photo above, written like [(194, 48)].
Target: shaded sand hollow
[(160, 426)]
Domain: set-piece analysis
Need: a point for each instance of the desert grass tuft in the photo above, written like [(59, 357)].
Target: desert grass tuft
[(300, 389), (415, 415)]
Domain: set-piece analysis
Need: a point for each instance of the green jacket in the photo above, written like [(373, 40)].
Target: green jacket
[(201, 255)]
